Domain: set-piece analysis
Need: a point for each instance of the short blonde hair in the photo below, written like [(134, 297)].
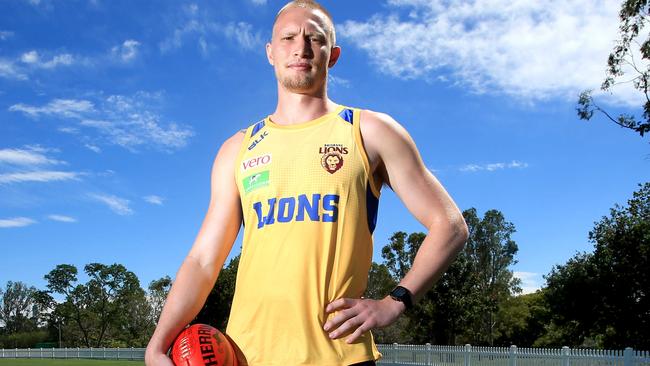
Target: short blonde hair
[(311, 4)]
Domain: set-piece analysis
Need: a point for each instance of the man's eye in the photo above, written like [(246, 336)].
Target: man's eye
[(287, 37)]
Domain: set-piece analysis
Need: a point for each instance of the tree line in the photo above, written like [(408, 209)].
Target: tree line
[(596, 299)]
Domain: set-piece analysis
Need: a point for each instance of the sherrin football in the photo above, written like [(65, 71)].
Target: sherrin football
[(202, 345)]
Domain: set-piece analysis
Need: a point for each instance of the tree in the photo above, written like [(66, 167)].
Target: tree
[(570, 293), (107, 303), (491, 252), (380, 282), (17, 308), (633, 16), (158, 290), (601, 298), (400, 252)]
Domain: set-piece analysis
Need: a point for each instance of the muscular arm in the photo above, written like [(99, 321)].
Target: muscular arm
[(200, 269), (423, 196), (396, 161)]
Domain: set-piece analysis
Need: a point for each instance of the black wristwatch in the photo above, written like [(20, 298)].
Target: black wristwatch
[(402, 294)]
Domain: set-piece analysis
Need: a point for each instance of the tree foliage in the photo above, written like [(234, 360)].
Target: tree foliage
[(17, 307), (110, 305), (158, 291), (633, 16), (464, 304), (491, 251), (601, 298)]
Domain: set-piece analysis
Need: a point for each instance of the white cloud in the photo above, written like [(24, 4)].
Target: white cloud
[(118, 205), (10, 71), (16, 222), (94, 148), (127, 51), (4, 35), (243, 34), (197, 26), (70, 130), (32, 155), (530, 50), (62, 218), (337, 81), (127, 121), (153, 199), (38, 176), (530, 281), (70, 108), (32, 58), (493, 166)]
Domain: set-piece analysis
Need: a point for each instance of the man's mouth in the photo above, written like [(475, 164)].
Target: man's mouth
[(300, 65)]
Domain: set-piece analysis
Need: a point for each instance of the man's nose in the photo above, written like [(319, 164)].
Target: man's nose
[(303, 48)]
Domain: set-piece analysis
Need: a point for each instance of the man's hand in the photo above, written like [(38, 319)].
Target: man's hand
[(358, 316), (157, 359)]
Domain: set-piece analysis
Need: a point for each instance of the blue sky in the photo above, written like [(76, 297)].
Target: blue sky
[(111, 113)]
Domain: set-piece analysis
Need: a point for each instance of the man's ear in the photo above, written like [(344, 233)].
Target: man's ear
[(269, 54), (334, 56)]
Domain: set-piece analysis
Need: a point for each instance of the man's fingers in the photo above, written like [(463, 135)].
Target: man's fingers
[(339, 318), (346, 327), (358, 333), (342, 303)]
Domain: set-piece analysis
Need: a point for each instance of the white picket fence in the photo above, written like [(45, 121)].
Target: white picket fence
[(406, 355), (96, 353), (467, 355)]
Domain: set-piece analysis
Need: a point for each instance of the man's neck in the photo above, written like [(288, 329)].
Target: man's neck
[(294, 108)]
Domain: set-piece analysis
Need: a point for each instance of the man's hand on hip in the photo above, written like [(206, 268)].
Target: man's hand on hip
[(358, 316)]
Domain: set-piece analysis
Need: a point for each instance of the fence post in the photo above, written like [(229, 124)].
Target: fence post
[(78, 353), (131, 356), (513, 355), (566, 352), (428, 353), (394, 352), (467, 354), (118, 353), (628, 357), (104, 353)]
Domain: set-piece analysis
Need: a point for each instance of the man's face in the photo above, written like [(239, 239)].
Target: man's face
[(300, 50)]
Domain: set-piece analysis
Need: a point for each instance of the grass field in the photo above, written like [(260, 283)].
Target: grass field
[(65, 362)]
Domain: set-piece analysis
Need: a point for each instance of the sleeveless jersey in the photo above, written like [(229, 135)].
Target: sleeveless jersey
[(309, 207)]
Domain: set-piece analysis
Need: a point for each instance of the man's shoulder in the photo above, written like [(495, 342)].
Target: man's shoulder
[(374, 122), (233, 143)]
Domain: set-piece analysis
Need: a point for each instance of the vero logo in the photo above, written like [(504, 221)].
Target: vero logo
[(256, 162)]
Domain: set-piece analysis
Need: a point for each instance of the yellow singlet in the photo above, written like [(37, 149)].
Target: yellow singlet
[(309, 207)]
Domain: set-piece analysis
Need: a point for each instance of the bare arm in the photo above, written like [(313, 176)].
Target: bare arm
[(397, 162), (423, 196), (200, 269)]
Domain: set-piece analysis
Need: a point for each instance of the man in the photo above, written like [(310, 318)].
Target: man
[(305, 183)]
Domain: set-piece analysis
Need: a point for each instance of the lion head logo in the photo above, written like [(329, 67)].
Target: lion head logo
[(332, 162)]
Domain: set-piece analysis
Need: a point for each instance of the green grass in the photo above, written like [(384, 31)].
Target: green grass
[(65, 362)]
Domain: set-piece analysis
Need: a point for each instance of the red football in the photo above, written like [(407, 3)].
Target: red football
[(202, 345)]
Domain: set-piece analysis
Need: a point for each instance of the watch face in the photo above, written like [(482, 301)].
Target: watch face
[(399, 292)]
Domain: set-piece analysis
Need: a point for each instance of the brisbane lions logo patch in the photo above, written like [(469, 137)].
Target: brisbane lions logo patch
[(332, 157)]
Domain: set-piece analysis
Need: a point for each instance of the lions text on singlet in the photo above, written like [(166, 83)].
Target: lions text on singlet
[(309, 207)]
